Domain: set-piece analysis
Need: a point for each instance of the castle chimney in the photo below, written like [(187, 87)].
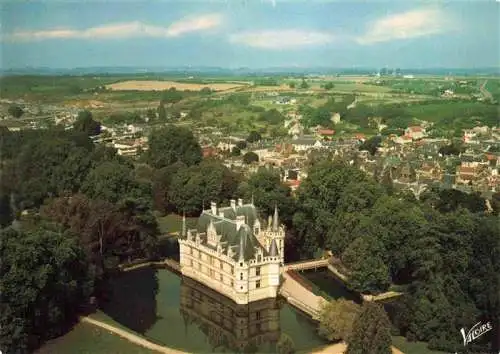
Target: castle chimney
[(233, 204), (213, 207), (240, 202)]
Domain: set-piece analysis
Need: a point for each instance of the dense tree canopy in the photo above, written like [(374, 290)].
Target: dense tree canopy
[(171, 144), (45, 278), (192, 187)]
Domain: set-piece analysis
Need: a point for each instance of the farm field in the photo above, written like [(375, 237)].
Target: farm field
[(150, 85)]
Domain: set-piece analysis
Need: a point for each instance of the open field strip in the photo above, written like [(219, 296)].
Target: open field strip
[(150, 85)]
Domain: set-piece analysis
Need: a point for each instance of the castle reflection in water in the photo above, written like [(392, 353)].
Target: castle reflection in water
[(242, 328)]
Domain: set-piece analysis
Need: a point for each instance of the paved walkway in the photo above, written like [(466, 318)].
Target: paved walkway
[(340, 348), (132, 337)]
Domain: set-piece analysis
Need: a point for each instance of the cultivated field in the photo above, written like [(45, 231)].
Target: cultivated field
[(139, 85)]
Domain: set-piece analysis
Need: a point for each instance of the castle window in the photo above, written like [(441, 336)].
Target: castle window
[(221, 265), (232, 270), (257, 284), (232, 283), (221, 278), (191, 262), (257, 315), (241, 276), (257, 271), (241, 287), (241, 264)]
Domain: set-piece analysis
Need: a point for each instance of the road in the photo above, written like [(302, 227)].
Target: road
[(486, 94)]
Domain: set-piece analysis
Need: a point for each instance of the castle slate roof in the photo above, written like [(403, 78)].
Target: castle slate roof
[(243, 238)]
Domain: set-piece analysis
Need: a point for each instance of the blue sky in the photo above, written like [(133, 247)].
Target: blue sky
[(250, 33)]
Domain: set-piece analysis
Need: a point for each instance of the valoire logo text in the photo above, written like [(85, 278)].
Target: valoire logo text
[(475, 332)]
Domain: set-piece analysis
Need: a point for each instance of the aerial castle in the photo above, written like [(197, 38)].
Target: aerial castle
[(231, 252)]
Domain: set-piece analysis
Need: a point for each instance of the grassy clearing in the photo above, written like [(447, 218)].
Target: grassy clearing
[(173, 223), (85, 338), (412, 347)]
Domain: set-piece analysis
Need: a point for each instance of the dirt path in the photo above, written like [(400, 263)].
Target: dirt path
[(340, 348), (132, 337)]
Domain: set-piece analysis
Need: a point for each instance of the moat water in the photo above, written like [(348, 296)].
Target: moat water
[(183, 314), (326, 284)]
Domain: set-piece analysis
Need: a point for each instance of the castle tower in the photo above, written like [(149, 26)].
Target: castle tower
[(275, 232)]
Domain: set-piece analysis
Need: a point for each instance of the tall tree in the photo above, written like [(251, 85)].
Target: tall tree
[(171, 144), (250, 157), (15, 111), (86, 124), (162, 114), (45, 278), (368, 273), (371, 331), (336, 319), (112, 181), (268, 191)]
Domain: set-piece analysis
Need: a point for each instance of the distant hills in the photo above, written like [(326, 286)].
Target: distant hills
[(210, 71)]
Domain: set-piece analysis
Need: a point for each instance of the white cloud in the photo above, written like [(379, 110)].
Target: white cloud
[(191, 24), (281, 39), (122, 30), (411, 24)]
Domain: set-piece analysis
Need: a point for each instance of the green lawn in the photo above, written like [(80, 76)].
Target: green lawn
[(87, 338), (412, 347), (173, 223)]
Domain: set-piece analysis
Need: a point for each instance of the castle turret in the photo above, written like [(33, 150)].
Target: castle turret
[(183, 233), (275, 219), (273, 249)]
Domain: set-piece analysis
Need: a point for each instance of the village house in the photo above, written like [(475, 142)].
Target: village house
[(415, 132), (304, 144), (404, 139), (325, 134), (233, 252)]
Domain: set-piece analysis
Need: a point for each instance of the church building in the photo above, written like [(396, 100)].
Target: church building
[(232, 252)]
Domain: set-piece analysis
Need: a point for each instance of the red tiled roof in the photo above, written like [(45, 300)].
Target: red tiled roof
[(466, 170), (208, 151), (293, 182), (326, 132), (491, 157), (415, 129)]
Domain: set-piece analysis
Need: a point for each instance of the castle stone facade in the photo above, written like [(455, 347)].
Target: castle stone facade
[(232, 252)]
